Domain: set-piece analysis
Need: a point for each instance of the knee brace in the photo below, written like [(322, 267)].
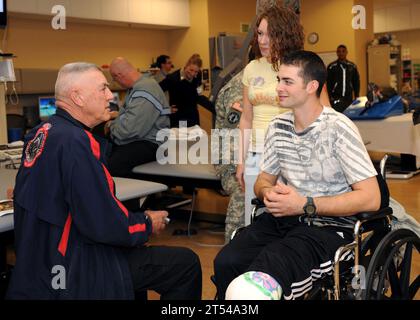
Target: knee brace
[(254, 285)]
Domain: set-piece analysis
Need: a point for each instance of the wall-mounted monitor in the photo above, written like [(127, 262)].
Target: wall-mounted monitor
[(3, 13), (46, 107)]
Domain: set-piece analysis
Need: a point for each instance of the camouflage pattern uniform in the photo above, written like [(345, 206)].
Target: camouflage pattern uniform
[(227, 118)]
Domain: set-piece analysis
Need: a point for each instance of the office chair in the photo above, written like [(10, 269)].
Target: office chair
[(15, 121)]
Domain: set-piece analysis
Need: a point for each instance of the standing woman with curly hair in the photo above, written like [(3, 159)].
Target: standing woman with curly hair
[(277, 32)]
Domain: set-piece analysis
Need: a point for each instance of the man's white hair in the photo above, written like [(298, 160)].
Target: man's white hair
[(68, 74)]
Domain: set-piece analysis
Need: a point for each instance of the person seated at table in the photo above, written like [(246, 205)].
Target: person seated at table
[(74, 239), (145, 111)]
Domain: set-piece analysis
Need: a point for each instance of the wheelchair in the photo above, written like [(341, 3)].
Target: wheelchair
[(380, 264)]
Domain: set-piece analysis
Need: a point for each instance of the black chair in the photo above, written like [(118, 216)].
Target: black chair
[(416, 116), (16, 121), (31, 115)]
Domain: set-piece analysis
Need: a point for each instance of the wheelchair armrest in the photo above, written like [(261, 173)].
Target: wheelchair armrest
[(374, 215), (362, 216), (257, 202)]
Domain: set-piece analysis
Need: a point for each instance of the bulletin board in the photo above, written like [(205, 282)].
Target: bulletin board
[(328, 57)]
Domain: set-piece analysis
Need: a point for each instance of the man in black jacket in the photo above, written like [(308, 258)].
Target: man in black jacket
[(74, 238), (343, 80)]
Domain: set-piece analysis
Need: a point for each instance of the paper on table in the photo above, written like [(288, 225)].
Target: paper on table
[(6, 207)]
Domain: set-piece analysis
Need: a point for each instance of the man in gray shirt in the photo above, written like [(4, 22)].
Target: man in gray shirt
[(144, 112)]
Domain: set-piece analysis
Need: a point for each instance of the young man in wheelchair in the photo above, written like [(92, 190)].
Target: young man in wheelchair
[(316, 175)]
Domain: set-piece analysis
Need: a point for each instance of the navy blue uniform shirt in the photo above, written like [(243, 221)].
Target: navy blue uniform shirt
[(70, 230)]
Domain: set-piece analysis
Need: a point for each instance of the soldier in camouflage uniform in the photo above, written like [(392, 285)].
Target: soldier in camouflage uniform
[(228, 114)]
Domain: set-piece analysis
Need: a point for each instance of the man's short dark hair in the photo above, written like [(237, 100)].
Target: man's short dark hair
[(312, 67), (342, 46), (161, 60)]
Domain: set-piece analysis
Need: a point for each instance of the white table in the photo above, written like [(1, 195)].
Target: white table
[(394, 134), (126, 189)]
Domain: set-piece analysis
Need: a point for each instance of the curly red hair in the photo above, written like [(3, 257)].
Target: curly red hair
[(285, 32)]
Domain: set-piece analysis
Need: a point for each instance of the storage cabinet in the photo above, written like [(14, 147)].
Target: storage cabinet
[(385, 66), (397, 15), (166, 14)]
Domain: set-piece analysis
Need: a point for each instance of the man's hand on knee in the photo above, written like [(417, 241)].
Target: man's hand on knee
[(159, 220)]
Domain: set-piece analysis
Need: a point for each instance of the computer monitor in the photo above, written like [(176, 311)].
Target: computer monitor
[(3, 13), (46, 106)]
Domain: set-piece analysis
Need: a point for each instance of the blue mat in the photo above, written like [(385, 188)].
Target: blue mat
[(392, 107)]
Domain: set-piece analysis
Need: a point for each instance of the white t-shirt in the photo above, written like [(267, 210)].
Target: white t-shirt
[(323, 160)]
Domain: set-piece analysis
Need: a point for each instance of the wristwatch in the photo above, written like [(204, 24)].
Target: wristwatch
[(309, 208)]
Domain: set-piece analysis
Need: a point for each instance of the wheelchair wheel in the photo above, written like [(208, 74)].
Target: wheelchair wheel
[(388, 274)]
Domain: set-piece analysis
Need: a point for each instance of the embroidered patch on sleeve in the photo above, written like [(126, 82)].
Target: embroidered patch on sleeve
[(35, 147), (233, 118)]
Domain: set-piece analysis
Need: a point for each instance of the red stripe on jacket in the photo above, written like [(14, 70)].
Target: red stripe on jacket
[(111, 188), (62, 247), (94, 145), (96, 150), (137, 228)]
